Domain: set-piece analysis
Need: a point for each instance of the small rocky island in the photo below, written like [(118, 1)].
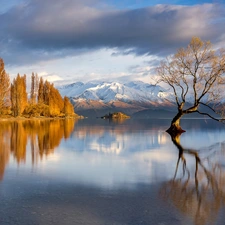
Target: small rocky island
[(116, 115)]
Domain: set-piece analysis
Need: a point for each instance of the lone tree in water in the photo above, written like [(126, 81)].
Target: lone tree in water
[(195, 72)]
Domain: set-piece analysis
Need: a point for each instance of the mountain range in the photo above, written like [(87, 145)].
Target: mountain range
[(136, 98)]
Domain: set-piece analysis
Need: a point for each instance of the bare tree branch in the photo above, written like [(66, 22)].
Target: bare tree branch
[(208, 106), (212, 117), (196, 71)]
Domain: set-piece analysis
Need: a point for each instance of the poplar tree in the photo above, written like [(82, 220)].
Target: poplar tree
[(68, 107), (56, 104), (18, 95), (46, 92), (4, 87)]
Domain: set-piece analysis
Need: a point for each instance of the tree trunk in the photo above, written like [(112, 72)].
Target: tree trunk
[(175, 127)]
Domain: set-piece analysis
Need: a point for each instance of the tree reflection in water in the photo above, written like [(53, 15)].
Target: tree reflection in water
[(42, 136), (198, 193), (5, 133)]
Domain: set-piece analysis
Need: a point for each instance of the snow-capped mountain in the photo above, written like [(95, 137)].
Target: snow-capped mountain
[(106, 92), (108, 96)]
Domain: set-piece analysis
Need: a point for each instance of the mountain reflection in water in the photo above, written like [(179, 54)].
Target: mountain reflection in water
[(111, 172), (29, 141)]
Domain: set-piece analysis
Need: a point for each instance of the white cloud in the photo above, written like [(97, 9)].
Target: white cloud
[(96, 65), (81, 42), (52, 78)]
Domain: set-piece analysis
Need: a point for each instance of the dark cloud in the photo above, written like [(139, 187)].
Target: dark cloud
[(45, 29)]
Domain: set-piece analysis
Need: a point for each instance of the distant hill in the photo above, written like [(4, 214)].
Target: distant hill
[(94, 99), (113, 91), (136, 99)]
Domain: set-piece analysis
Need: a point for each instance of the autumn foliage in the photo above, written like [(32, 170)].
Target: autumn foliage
[(43, 100), (4, 88)]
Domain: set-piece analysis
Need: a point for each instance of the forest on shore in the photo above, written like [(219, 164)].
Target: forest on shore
[(42, 100)]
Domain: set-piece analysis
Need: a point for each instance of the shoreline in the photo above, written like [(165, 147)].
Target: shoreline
[(5, 119)]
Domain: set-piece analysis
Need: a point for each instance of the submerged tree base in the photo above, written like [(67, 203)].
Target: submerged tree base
[(175, 129)]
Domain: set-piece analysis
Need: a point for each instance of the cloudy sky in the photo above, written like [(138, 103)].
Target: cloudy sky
[(113, 40)]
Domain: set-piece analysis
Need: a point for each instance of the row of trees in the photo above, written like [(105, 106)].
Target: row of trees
[(43, 100)]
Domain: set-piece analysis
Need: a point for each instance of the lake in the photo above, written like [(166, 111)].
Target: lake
[(106, 172)]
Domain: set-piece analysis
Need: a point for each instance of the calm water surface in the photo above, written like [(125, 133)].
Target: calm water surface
[(102, 172)]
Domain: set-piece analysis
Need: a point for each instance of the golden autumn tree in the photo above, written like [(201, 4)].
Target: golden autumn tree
[(33, 109), (4, 87), (18, 95), (45, 99), (68, 107), (41, 91), (46, 92), (39, 94), (195, 75), (50, 102), (56, 104)]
